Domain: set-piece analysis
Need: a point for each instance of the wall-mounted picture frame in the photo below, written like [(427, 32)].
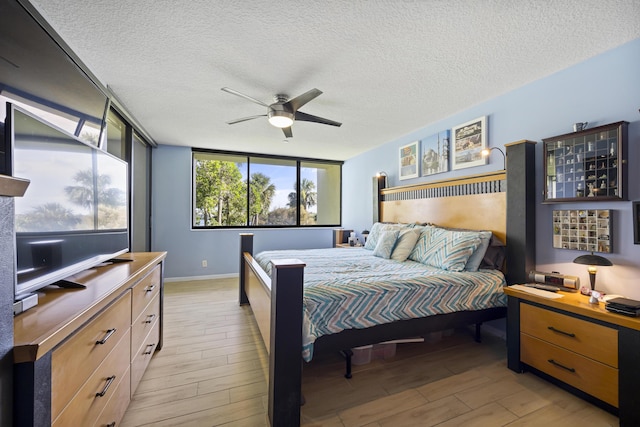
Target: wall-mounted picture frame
[(583, 230), (435, 153), (635, 214), (408, 161), (469, 139)]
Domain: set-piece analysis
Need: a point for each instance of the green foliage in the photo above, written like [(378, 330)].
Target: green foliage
[(262, 192), (220, 194)]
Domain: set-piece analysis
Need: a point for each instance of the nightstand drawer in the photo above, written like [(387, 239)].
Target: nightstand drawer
[(588, 339), (594, 378)]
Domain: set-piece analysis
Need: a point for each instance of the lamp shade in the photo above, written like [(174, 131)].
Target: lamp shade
[(592, 260)]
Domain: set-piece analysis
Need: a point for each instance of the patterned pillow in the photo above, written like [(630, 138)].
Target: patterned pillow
[(386, 243), (375, 232), (450, 250), (406, 242), (421, 246)]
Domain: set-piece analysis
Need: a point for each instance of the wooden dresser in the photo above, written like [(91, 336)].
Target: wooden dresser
[(579, 346), (80, 353)]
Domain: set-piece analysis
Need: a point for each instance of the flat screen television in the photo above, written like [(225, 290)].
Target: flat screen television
[(74, 214)]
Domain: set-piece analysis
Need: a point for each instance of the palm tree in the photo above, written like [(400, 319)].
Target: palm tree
[(262, 193), (308, 195)]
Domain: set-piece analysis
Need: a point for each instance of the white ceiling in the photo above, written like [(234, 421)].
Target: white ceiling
[(386, 68)]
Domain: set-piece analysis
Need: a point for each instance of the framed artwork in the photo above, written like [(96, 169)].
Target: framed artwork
[(469, 139), (635, 214), (409, 161), (435, 153), (582, 230)]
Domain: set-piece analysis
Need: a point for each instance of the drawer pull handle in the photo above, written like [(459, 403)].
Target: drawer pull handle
[(106, 386), (150, 318), (559, 365), (149, 288), (106, 337), (113, 424), (150, 350), (569, 334)]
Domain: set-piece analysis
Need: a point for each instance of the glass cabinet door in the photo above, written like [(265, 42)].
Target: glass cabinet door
[(586, 165)]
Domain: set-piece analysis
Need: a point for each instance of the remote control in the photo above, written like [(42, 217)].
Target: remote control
[(542, 286)]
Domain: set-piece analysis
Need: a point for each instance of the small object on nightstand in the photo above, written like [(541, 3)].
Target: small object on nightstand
[(626, 306), (542, 286), (594, 298)]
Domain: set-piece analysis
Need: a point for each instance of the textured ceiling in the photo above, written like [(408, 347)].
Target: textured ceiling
[(386, 68)]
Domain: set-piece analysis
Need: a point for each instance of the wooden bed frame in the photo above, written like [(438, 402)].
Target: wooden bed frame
[(481, 202)]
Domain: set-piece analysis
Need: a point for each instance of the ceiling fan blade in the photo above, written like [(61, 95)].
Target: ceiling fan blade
[(244, 119), (287, 132), (304, 117), (242, 95), (300, 100)]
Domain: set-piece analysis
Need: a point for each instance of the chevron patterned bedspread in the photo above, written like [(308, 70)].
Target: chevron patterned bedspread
[(352, 289)]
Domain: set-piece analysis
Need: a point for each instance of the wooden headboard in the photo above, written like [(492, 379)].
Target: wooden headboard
[(476, 202)]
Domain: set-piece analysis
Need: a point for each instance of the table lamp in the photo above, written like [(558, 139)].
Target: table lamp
[(592, 261)]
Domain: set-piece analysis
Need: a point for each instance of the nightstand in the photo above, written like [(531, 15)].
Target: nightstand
[(578, 346), (346, 245)]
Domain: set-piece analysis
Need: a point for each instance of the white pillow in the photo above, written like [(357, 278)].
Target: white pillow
[(406, 242)]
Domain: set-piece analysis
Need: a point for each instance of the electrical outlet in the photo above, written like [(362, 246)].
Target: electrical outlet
[(204, 263)]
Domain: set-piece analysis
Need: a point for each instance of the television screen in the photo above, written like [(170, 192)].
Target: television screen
[(74, 214)]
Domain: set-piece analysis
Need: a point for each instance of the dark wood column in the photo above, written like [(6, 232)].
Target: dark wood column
[(521, 210)]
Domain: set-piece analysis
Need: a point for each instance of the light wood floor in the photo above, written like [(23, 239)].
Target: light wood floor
[(212, 372)]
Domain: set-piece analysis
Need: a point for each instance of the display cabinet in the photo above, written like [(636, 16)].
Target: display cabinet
[(586, 165)]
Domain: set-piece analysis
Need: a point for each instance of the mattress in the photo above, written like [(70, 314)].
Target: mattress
[(349, 288)]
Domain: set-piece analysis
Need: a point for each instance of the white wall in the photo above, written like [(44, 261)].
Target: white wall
[(601, 90)]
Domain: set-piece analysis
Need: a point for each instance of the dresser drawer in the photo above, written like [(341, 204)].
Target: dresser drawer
[(75, 360), (117, 405), (589, 339), (93, 396), (144, 323), (143, 356), (594, 378), (144, 291)]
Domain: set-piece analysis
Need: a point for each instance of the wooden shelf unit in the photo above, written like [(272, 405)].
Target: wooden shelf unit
[(587, 165)]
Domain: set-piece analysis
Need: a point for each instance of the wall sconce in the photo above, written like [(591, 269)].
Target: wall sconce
[(487, 151), (382, 175), (592, 261)]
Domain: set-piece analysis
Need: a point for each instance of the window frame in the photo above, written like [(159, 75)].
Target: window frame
[(248, 156)]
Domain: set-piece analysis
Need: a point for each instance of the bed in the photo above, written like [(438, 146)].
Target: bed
[(274, 289)]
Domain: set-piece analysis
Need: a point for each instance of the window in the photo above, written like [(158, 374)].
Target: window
[(240, 190)]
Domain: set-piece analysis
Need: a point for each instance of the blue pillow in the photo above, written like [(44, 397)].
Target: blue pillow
[(477, 256)]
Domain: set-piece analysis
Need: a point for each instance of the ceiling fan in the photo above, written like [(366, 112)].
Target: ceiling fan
[(284, 111)]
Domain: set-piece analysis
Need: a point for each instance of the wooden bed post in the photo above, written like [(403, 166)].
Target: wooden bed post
[(285, 356), (246, 245)]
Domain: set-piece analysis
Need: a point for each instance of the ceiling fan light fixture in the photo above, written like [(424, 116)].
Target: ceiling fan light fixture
[(280, 119)]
